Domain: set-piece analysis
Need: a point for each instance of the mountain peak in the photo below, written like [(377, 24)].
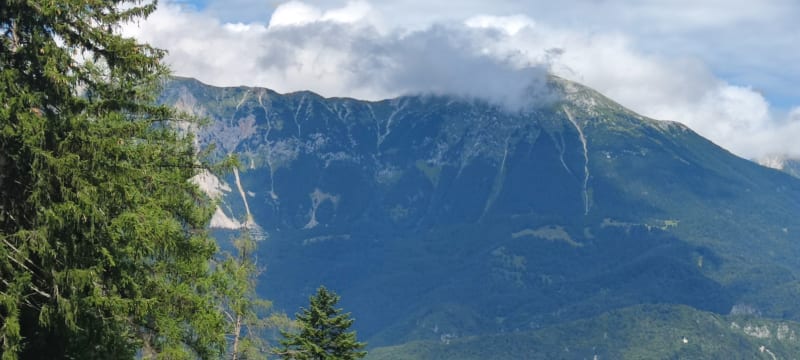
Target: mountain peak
[(593, 104)]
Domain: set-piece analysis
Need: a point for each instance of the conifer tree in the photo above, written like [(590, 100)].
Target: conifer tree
[(323, 332), (103, 252)]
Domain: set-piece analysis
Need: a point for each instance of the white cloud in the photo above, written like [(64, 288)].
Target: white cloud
[(364, 50), (294, 13), (511, 25), (339, 52), (354, 11)]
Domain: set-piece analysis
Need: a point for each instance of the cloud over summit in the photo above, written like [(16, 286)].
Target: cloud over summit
[(364, 50)]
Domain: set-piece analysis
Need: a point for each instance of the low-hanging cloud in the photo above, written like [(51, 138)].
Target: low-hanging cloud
[(439, 60), (348, 51), (341, 52)]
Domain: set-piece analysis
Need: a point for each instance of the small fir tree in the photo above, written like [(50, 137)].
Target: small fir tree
[(323, 332)]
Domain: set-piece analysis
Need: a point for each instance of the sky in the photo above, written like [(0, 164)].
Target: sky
[(725, 68)]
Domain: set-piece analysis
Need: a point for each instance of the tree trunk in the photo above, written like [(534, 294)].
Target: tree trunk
[(237, 331)]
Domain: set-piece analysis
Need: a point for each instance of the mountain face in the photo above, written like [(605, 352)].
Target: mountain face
[(439, 218)]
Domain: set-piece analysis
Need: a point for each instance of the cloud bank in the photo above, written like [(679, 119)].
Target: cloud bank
[(342, 52), (359, 50)]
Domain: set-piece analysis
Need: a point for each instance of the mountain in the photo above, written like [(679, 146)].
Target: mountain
[(453, 220)]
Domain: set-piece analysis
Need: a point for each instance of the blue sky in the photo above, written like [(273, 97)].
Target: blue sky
[(727, 69)]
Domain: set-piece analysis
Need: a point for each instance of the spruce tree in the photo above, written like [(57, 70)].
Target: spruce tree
[(323, 332), (103, 252)]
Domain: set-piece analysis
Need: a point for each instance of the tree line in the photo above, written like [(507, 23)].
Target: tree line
[(104, 247)]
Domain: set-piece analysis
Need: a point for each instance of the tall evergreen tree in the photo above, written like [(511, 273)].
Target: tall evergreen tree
[(323, 332), (103, 252)]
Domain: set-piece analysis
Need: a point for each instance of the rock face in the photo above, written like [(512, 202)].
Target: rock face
[(436, 217)]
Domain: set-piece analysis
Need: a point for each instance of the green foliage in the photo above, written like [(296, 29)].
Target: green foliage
[(103, 252), (637, 332), (248, 316), (431, 172), (323, 333)]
